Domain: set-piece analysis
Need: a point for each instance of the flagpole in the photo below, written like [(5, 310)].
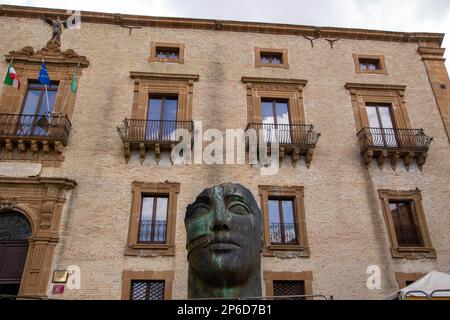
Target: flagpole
[(68, 94), (46, 95)]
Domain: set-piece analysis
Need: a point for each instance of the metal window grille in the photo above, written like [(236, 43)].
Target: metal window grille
[(147, 290), (289, 288)]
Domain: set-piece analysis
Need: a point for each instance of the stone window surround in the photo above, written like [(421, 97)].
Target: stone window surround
[(284, 58), (290, 89), (380, 58), (61, 66), (147, 83), (134, 248), (362, 93), (297, 194), (41, 200), (427, 251), (271, 276), (154, 45), (403, 277), (129, 275)]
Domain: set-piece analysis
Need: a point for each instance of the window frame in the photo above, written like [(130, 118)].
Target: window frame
[(271, 276), (404, 277), (381, 61), (284, 64), (166, 45), (363, 94), (427, 250), (274, 88), (279, 201), (129, 275), (296, 193), (139, 190), (154, 210)]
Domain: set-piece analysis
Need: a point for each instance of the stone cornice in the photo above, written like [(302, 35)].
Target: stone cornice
[(373, 86), (62, 182), (163, 76), (274, 81), (224, 25)]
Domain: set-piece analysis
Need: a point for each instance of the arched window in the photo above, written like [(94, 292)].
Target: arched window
[(14, 226)]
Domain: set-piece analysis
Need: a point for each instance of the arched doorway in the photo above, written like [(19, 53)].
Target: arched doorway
[(14, 233)]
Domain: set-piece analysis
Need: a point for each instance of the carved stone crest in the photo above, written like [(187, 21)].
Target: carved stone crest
[(8, 203)]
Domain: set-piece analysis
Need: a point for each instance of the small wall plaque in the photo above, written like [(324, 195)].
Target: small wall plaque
[(60, 276)]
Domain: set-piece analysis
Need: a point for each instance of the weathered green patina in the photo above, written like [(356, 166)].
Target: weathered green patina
[(224, 243)]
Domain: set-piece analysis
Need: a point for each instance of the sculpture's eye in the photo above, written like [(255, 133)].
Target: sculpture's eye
[(239, 208), (199, 210)]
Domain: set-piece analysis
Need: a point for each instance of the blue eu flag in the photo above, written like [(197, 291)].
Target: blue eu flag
[(43, 75)]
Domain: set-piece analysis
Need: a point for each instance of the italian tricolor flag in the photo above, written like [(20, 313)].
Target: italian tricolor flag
[(12, 79)]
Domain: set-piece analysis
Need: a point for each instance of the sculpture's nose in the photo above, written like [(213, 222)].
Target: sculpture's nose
[(221, 218)]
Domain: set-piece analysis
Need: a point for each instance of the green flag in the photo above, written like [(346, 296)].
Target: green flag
[(73, 87)]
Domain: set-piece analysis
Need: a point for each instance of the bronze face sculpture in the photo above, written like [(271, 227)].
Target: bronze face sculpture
[(224, 243)]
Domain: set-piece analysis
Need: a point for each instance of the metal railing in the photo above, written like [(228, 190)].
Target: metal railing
[(136, 130), (283, 233), (46, 126), (298, 134), (153, 231), (394, 139)]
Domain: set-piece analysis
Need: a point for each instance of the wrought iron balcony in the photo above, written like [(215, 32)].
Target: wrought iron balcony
[(156, 135), (293, 139), (152, 231), (283, 233), (33, 132), (382, 143)]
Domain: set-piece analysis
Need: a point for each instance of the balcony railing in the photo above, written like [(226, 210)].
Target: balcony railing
[(152, 231), (156, 135), (137, 131), (381, 143), (286, 134), (39, 127), (283, 233), (394, 139)]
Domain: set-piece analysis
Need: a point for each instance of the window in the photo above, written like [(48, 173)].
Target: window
[(32, 127), (282, 225), (369, 64), (405, 279), (381, 123), (277, 58), (162, 103), (167, 52), (152, 219), (38, 105), (147, 290), (289, 288), (284, 221), (147, 285), (271, 58), (383, 126), (289, 284), (161, 118), (374, 64), (406, 224), (275, 120), (153, 222)]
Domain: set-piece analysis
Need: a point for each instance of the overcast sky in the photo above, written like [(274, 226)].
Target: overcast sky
[(392, 15)]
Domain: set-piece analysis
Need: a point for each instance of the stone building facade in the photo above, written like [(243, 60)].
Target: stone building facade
[(80, 184)]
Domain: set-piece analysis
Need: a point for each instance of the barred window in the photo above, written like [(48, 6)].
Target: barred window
[(147, 290), (289, 288), (282, 221)]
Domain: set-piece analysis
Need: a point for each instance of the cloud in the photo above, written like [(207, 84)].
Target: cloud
[(393, 15)]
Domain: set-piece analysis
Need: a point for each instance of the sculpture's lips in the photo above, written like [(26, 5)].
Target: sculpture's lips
[(223, 245)]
